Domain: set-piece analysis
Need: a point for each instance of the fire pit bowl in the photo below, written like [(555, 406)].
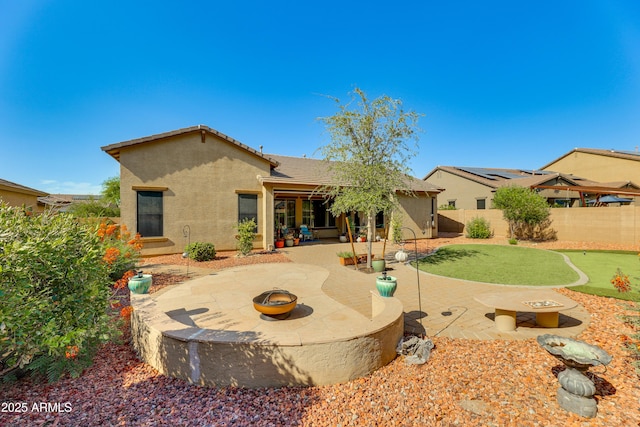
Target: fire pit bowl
[(277, 303)]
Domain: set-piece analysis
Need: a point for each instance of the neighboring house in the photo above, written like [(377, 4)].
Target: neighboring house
[(473, 187), (62, 202), (18, 195), (195, 184), (599, 165)]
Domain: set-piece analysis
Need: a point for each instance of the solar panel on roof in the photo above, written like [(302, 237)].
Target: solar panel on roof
[(633, 153), (491, 174), (507, 175), (537, 172), (478, 171)]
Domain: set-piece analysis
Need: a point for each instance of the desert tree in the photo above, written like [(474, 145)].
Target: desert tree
[(371, 144), (526, 211)]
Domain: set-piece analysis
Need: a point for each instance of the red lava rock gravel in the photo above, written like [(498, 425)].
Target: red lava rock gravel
[(464, 383)]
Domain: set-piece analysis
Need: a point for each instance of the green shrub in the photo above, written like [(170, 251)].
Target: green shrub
[(93, 208), (478, 228), (200, 251), (345, 254), (54, 294), (396, 227), (121, 252), (513, 241), (246, 235)]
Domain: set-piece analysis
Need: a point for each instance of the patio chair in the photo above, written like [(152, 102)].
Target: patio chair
[(306, 233)]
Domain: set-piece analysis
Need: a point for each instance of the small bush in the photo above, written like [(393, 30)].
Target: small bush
[(513, 241), (345, 254), (246, 235), (478, 228), (200, 251), (95, 209), (54, 294), (396, 228), (121, 251)]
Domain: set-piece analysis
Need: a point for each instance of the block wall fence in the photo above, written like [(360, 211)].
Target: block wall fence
[(603, 224)]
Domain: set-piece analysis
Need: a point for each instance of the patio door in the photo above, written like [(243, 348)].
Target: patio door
[(285, 213)]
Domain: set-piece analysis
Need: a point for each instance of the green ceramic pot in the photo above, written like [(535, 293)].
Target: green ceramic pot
[(378, 265), (386, 285), (140, 285)]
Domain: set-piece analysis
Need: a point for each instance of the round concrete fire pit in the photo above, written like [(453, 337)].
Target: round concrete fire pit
[(275, 304), (206, 330)]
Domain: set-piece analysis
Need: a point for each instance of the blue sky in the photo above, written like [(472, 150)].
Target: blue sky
[(501, 83)]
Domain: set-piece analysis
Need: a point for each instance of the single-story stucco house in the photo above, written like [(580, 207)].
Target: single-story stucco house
[(195, 184), (19, 195), (474, 187)]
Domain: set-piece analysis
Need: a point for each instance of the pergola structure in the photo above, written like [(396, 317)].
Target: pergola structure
[(595, 191)]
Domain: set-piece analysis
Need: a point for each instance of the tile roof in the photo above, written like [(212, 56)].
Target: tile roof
[(497, 177), (114, 149), (620, 154), (12, 186), (315, 172)]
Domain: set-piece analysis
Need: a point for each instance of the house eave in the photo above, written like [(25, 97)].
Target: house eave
[(114, 149)]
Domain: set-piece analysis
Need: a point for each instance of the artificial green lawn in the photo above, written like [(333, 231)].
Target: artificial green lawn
[(601, 266), (509, 265)]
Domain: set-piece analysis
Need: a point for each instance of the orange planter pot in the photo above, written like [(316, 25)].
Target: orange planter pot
[(362, 258)]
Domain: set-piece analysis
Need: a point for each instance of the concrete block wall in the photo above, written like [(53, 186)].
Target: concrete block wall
[(620, 224)]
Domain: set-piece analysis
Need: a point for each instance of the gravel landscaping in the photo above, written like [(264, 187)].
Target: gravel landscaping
[(464, 383)]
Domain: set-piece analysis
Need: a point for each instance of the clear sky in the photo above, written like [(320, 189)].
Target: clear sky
[(501, 83)]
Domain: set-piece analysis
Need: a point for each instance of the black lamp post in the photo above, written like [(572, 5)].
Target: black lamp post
[(415, 242), (186, 233)]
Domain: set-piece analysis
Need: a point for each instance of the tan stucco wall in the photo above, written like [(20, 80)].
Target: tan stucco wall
[(597, 168), (13, 198), (202, 182), (416, 213), (463, 191), (250, 359), (603, 224)]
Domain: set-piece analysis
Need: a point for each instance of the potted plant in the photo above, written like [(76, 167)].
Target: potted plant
[(379, 265), (279, 243), (386, 285), (288, 240), (347, 258)]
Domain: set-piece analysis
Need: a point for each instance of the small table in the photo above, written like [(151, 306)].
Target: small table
[(546, 304)]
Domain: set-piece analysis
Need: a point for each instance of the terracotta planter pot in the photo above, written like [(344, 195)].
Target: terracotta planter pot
[(362, 258), (279, 243)]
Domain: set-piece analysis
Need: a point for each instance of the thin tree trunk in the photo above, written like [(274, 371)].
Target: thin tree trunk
[(353, 249), (371, 229)]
